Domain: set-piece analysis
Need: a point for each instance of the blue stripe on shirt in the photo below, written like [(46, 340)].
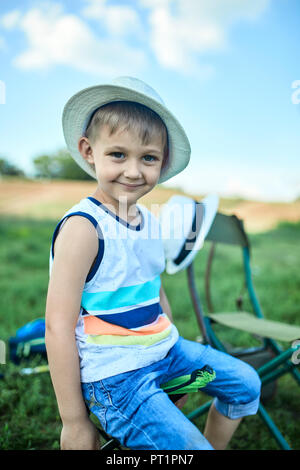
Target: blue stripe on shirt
[(123, 297), (135, 318)]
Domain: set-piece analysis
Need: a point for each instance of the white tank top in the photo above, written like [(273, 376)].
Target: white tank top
[(121, 325)]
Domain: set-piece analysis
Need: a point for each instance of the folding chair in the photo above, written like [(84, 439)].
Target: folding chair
[(269, 359)]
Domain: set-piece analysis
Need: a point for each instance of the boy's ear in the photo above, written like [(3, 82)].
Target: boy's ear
[(86, 150)]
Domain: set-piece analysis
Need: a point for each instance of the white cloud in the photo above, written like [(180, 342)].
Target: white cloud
[(10, 19), (183, 30), (178, 34), (120, 20), (259, 184), (57, 38)]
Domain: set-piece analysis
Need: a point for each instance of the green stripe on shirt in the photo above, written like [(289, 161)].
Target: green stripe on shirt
[(116, 340)]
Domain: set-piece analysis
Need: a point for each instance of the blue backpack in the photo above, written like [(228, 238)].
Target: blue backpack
[(28, 342)]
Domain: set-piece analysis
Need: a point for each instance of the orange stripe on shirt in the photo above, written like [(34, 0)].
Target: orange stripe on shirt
[(96, 326)]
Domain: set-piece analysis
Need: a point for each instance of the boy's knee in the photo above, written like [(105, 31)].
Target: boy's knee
[(251, 384)]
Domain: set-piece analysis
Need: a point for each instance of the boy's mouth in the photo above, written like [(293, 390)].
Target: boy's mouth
[(130, 186)]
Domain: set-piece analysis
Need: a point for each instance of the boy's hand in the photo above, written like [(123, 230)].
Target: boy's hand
[(80, 436), (182, 401)]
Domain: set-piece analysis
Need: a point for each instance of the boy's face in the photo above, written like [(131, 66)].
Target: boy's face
[(126, 168)]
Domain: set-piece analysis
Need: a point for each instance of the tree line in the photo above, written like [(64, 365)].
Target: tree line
[(59, 165)]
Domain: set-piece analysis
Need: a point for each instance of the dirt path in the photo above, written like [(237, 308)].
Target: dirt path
[(50, 199)]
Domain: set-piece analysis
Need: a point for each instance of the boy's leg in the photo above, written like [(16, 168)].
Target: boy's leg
[(236, 387), (219, 429), (134, 409)]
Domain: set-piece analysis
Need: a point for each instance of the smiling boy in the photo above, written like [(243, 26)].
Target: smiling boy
[(110, 338), (127, 159)]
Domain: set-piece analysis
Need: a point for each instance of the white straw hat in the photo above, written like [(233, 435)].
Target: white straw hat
[(185, 224), (80, 108)]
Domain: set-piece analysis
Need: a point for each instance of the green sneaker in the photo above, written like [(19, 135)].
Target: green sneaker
[(199, 378)]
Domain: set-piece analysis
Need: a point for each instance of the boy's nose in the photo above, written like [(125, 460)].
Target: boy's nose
[(132, 171)]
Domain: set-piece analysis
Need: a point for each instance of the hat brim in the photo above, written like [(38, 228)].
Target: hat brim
[(81, 106), (210, 203)]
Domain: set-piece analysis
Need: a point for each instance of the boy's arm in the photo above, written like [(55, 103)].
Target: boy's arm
[(75, 249), (165, 303)]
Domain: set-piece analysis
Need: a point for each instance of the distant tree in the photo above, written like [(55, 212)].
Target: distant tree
[(7, 168), (69, 168), (59, 166), (45, 167)]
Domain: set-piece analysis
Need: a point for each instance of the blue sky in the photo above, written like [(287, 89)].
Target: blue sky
[(228, 69)]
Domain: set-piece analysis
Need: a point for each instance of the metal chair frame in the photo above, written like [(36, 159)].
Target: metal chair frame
[(230, 230)]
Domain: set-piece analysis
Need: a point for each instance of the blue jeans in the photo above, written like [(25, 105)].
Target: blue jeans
[(134, 409)]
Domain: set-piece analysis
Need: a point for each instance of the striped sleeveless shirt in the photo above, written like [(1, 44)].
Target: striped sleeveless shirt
[(121, 325)]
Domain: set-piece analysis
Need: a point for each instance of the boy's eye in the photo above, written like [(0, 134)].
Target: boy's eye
[(118, 155), (150, 158)]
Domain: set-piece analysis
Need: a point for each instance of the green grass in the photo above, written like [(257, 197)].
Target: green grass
[(29, 417)]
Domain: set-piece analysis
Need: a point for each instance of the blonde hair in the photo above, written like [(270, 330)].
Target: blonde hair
[(129, 115)]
